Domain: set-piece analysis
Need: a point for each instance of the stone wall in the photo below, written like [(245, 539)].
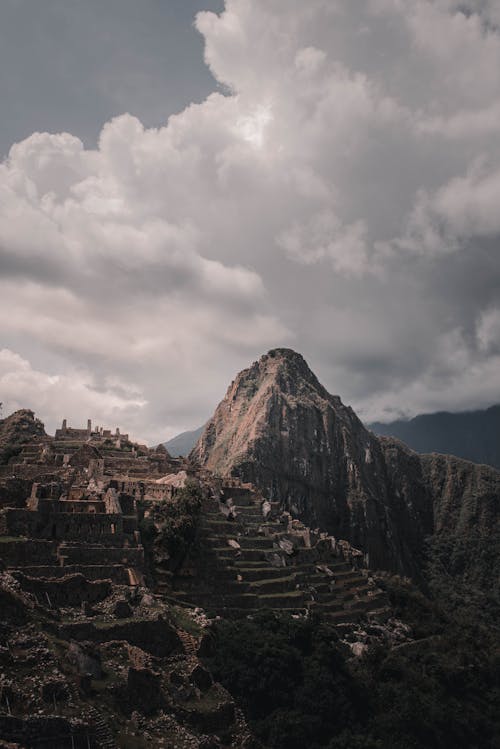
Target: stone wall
[(64, 526), (131, 557), (71, 590), (20, 552), (155, 636), (114, 572)]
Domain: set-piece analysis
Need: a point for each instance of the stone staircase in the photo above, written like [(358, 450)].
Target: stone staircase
[(189, 644), (247, 563), (103, 734)]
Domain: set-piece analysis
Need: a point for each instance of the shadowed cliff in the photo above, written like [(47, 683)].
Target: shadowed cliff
[(278, 428)]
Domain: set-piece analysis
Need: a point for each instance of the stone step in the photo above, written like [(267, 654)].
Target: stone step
[(236, 613), (242, 500), (283, 600), (276, 585), (325, 585), (229, 587), (379, 615), (116, 572), (263, 563), (216, 601), (248, 513), (237, 492), (365, 603), (258, 572), (245, 542), (310, 572), (220, 524), (224, 552), (340, 595), (209, 519)]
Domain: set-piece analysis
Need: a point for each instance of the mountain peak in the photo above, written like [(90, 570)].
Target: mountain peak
[(281, 370), (283, 353)]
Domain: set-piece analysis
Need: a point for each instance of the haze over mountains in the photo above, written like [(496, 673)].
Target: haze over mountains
[(473, 435), (183, 443)]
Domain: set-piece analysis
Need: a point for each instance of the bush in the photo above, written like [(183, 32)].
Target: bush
[(297, 689), (174, 525), (289, 676)]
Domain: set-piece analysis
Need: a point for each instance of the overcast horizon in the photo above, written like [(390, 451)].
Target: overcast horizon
[(188, 184)]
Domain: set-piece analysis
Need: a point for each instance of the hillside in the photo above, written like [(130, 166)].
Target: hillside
[(472, 435), (16, 430), (183, 443), (147, 602)]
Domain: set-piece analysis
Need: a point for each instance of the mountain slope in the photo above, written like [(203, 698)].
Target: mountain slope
[(17, 429), (470, 435), (280, 429), (183, 443)]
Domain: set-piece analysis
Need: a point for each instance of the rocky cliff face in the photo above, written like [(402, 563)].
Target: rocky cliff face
[(17, 429), (280, 429)]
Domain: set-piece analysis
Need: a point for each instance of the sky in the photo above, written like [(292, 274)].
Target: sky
[(186, 184)]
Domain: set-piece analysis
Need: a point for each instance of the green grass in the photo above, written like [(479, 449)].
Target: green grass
[(182, 620)]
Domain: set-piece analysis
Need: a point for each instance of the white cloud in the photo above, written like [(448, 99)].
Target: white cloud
[(58, 396), (340, 197)]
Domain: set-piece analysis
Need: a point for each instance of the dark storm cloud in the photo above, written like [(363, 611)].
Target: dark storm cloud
[(340, 197)]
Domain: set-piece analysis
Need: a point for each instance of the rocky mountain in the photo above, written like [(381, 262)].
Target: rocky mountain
[(183, 443), (472, 435), (16, 430), (279, 428)]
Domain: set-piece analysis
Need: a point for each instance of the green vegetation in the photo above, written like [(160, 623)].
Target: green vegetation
[(181, 620), (170, 529), (8, 452), (298, 688), (464, 571)]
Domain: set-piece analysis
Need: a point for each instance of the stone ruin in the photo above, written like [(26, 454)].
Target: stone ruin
[(90, 654), (93, 649)]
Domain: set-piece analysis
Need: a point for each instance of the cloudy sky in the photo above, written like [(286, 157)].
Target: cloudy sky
[(186, 184)]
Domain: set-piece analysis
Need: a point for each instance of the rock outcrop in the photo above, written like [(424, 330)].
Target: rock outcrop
[(16, 430), (279, 429)]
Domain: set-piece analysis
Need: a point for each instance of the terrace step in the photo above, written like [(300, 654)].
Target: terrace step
[(246, 542), (226, 552), (243, 570)]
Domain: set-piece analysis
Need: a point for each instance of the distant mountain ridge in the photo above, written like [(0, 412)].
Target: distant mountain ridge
[(472, 435), (183, 443)]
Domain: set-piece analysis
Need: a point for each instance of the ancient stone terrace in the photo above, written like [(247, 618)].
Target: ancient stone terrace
[(69, 539), (66, 458), (250, 557)]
